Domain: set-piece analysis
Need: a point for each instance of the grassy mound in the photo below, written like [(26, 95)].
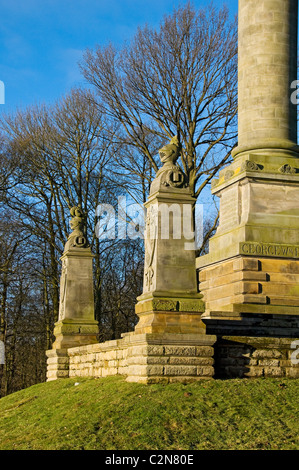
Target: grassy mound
[(111, 414)]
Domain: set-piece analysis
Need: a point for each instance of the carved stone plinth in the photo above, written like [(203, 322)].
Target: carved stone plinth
[(252, 270), (169, 357), (259, 211), (170, 315), (170, 302), (76, 325), (71, 333)]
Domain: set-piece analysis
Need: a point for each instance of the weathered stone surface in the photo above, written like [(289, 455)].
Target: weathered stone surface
[(140, 361), (76, 325), (275, 290), (267, 66), (71, 333), (251, 274), (254, 357)]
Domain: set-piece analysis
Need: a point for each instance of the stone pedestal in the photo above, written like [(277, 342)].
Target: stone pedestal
[(253, 261), (170, 306), (168, 358), (250, 277), (170, 302), (76, 324)]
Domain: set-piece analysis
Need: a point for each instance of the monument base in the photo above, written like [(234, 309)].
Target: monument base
[(250, 287), (71, 333), (169, 343), (252, 305), (158, 314), (251, 356), (167, 358), (143, 358)]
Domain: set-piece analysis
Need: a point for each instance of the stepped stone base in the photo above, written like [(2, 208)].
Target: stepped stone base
[(239, 357), (154, 358), (252, 305), (143, 358), (248, 286), (70, 333)]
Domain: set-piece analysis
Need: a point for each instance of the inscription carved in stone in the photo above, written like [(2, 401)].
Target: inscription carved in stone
[(150, 245), (62, 288), (269, 249)]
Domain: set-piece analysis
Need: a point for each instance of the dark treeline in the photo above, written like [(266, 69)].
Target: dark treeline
[(92, 147)]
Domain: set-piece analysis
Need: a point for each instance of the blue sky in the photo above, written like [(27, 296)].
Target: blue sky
[(43, 40)]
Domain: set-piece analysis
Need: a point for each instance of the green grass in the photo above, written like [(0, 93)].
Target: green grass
[(111, 414)]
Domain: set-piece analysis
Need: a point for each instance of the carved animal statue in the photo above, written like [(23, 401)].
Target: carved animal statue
[(76, 237)]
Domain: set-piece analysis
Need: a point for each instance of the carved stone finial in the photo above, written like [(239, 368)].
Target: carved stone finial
[(170, 175), (76, 237), (170, 152)]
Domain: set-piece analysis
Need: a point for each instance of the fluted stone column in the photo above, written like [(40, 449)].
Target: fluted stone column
[(267, 65)]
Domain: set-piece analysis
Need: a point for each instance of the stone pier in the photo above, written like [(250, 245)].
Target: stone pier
[(76, 325), (170, 306), (250, 277)]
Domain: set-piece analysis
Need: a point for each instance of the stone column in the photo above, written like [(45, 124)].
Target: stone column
[(251, 274), (267, 63)]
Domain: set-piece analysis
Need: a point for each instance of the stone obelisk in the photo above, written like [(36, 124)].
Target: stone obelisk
[(252, 268)]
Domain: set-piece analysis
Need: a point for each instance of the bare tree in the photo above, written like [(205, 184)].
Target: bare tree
[(62, 150), (63, 153), (22, 318), (177, 80)]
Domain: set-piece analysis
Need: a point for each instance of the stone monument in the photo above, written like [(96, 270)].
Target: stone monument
[(250, 277), (172, 336), (76, 325), (248, 293), (170, 301), (169, 343)]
